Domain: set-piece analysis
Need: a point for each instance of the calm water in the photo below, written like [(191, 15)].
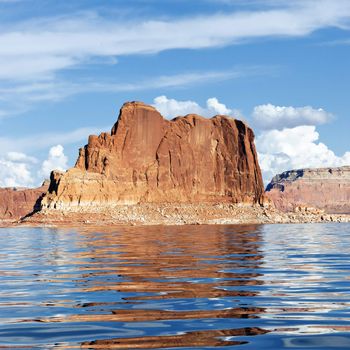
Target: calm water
[(249, 287)]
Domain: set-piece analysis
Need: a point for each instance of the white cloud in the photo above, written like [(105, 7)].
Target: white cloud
[(31, 58), (214, 105), (42, 141), (171, 108), (20, 170), (14, 174), (57, 160), (15, 170), (69, 41), (20, 157), (165, 81), (295, 148), (269, 116), (20, 96)]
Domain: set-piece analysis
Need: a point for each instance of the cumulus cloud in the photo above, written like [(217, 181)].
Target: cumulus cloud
[(56, 160), (171, 108), (214, 105), (20, 170), (295, 148), (16, 170), (269, 116)]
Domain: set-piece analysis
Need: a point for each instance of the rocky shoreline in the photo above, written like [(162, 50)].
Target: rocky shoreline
[(174, 214), (189, 170)]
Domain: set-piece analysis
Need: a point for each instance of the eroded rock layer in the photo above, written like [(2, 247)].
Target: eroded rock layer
[(148, 159), (327, 189), (17, 203)]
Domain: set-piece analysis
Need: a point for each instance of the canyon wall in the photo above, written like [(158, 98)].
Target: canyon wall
[(16, 203), (148, 159), (326, 188)]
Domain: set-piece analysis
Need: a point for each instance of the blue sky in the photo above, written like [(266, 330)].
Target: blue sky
[(67, 67)]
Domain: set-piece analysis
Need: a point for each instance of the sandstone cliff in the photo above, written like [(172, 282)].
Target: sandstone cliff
[(327, 189), (17, 203), (148, 159)]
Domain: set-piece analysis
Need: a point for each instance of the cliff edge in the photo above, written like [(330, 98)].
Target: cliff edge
[(148, 159)]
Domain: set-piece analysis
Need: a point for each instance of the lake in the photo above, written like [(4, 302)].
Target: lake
[(188, 287)]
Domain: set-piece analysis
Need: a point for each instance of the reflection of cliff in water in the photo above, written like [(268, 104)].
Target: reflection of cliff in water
[(193, 339), (172, 273), (174, 262), (196, 286)]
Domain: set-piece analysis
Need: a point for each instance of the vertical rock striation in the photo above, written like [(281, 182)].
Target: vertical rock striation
[(148, 159)]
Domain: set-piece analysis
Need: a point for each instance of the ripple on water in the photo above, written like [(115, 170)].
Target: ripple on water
[(258, 286)]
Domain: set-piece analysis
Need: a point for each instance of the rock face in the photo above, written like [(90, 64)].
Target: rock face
[(327, 189), (148, 159), (17, 203)]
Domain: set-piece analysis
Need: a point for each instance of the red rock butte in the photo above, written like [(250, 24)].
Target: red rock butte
[(149, 159)]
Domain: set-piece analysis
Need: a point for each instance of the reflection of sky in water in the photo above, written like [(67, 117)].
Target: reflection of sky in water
[(273, 286), (307, 270)]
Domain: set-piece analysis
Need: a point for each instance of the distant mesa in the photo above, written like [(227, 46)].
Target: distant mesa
[(327, 189), (16, 203), (148, 159)]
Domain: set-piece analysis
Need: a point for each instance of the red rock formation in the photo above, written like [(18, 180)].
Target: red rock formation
[(147, 158), (327, 189), (17, 203)]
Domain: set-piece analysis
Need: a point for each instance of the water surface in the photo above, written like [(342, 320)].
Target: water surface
[(188, 287)]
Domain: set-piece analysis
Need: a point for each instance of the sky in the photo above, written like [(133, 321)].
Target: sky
[(66, 67)]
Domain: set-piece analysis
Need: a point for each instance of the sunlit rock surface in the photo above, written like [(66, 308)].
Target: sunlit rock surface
[(326, 189), (16, 203), (148, 159)]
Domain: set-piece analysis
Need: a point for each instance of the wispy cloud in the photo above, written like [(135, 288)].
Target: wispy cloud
[(19, 96), (170, 81), (28, 51), (35, 51), (336, 42), (41, 141)]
